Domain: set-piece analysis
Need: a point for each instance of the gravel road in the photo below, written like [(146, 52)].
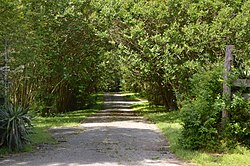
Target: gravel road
[(115, 136)]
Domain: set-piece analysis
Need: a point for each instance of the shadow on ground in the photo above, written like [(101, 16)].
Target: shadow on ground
[(114, 136), (101, 146)]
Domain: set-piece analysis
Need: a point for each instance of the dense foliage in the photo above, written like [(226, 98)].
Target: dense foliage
[(54, 54), (60, 52), (201, 114), (165, 43)]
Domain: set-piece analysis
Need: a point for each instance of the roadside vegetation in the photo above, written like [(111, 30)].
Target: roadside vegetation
[(171, 125), (40, 134)]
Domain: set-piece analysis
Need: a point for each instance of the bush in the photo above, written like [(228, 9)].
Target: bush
[(238, 128), (15, 125), (201, 115)]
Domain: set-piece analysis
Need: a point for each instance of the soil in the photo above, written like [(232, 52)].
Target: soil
[(115, 136)]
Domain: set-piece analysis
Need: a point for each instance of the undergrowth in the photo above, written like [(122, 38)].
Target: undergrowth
[(170, 125)]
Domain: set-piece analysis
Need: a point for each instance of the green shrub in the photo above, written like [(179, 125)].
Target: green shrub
[(201, 115), (15, 125), (201, 126), (238, 128)]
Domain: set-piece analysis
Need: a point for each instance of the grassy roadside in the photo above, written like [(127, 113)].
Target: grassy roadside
[(41, 134), (130, 96), (170, 124)]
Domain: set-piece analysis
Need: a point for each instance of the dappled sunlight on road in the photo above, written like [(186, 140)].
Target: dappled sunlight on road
[(115, 136)]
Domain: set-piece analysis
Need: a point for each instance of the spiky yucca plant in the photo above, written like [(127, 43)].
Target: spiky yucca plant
[(15, 125)]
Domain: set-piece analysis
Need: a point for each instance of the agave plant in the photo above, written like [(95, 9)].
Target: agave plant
[(15, 125)]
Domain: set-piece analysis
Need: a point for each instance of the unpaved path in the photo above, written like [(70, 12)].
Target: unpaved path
[(114, 136)]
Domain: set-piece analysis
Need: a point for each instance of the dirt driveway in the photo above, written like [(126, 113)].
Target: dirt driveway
[(114, 136)]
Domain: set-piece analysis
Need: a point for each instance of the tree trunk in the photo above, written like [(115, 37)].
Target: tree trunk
[(169, 98)]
